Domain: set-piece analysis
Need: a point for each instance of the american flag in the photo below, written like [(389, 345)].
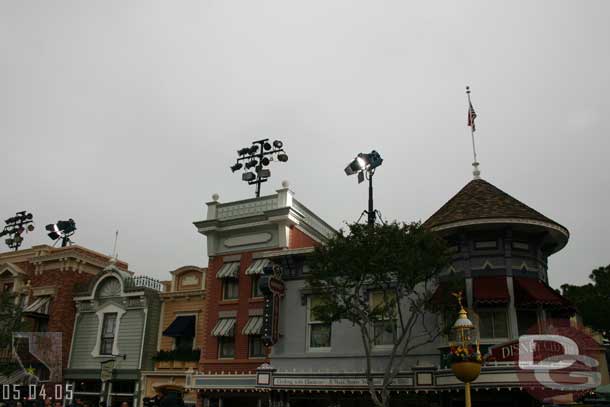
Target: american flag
[(471, 116)]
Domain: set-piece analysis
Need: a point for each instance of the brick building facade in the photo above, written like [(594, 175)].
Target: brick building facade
[(43, 279)]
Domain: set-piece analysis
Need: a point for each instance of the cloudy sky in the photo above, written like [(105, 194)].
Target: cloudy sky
[(127, 114)]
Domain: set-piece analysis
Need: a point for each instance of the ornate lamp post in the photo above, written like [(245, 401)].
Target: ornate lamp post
[(465, 358)]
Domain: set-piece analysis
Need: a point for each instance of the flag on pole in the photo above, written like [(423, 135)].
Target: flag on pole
[(471, 116)]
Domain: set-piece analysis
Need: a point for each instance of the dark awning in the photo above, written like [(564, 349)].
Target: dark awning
[(39, 307), (490, 290), (182, 326), (531, 292)]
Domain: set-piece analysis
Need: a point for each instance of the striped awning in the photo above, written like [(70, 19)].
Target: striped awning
[(228, 270), (40, 306), (224, 327), (257, 267), (253, 326)]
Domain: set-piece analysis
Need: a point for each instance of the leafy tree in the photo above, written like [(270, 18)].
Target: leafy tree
[(380, 277), (593, 299)]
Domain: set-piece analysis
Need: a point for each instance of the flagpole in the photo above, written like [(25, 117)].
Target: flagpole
[(476, 173)]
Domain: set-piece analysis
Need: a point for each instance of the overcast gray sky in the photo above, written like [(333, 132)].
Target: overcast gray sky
[(127, 114)]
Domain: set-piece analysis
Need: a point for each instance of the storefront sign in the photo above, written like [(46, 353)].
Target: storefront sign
[(273, 288), (336, 381)]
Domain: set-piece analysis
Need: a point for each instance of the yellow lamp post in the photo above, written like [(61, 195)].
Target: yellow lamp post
[(466, 361)]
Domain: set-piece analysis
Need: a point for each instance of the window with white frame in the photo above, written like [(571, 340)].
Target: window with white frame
[(385, 326), (230, 288), (256, 349), (319, 332), (108, 333), (493, 323), (256, 290), (226, 347)]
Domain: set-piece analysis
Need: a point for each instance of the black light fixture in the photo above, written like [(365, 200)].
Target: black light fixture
[(63, 229), (259, 155), (15, 227), (364, 166)]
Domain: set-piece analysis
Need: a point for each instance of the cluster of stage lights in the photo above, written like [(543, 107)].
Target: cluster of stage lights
[(15, 227), (257, 157)]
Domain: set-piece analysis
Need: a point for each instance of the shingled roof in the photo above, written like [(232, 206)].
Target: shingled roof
[(481, 200)]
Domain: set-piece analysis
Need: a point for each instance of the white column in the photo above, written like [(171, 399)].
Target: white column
[(513, 325)]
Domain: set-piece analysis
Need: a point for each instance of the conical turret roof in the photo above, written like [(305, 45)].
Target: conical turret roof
[(481, 202)]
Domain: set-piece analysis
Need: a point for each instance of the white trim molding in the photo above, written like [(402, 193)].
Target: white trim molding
[(108, 309)]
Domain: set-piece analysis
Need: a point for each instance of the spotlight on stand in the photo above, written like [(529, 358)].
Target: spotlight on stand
[(15, 227), (259, 155), (63, 229), (364, 166)]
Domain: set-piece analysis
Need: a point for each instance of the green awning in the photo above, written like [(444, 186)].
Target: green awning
[(253, 326), (257, 267), (228, 270), (224, 327)]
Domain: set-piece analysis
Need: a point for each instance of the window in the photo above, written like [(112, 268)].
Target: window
[(256, 348), (230, 289), (521, 246), (527, 320), (108, 333), (183, 342), (256, 291), (489, 244), (493, 324), (319, 332), (226, 347), (384, 329), (7, 287)]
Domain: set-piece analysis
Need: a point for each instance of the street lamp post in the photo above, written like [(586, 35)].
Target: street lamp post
[(465, 359), (364, 166)]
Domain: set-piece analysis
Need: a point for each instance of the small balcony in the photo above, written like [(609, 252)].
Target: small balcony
[(177, 359)]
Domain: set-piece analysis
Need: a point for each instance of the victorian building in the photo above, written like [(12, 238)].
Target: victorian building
[(181, 333), (244, 238), (500, 249), (115, 336)]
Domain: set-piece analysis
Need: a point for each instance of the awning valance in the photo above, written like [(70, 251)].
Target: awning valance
[(181, 326), (228, 270), (531, 292), (40, 306), (224, 327), (254, 326), (490, 290), (257, 267)]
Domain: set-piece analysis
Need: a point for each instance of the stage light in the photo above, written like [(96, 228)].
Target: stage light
[(267, 146), (236, 167), (63, 229), (278, 144), (251, 164), (283, 157), (248, 176), (364, 166), (265, 161), (264, 173)]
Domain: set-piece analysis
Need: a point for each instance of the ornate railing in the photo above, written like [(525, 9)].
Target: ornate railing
[(144, 282)]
